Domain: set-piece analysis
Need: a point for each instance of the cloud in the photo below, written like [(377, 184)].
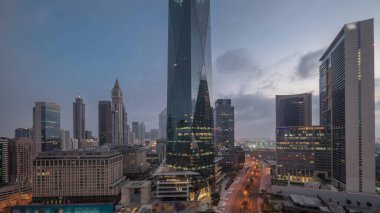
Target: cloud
[(237, 60), (308, 64)]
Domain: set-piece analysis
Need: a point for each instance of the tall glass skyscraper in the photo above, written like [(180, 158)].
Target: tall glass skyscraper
[(79, 118), (347, 106), (46, 126), (190, 144)]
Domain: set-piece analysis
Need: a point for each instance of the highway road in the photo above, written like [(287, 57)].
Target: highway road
[(243, 194)]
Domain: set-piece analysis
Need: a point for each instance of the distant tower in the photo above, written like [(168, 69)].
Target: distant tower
[(117, 115), (293, 110), (105, 122), (142, 132), (162, 121), (79, 118), (224, 127), (46, 127), (136, 130)]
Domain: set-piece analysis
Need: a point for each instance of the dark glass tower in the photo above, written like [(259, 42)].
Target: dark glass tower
[(224, 127), (46, 126), (189, 125), (105, 122), (79, 118), (293, 110)]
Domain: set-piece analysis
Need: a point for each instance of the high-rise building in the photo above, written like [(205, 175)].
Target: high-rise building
[(46, 127), (23, 133), (293, 110), (190, 144), (136, 130), (20, 157), (296, 149), (65, 139), (117, 115), (224, 127), (77, 176), (4, 161), (347, 106), (105, 122), (142, 131), (125, 127), (88, 134), (79, 118), (153, 135), (162, 121)]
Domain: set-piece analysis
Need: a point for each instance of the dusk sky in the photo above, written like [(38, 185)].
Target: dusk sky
[(54, 50)]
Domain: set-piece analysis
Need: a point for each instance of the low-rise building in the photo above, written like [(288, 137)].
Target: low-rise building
[(77, 176), (134, 160)]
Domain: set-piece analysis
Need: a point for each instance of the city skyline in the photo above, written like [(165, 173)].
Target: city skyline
[(265, 64)]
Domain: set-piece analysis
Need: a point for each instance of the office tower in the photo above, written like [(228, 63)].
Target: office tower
[(189, 91), (88, 134), (4, 161), (117, 115), (79, 118), (23, 133), (296, 148), (153, 134), (293, 110), (162, 120), (142, 131), (46, 126), (77, 176), (224, 127), (20, 157), (125, 127), (65, 139), (104, 122), (136, 130), (347, 106)]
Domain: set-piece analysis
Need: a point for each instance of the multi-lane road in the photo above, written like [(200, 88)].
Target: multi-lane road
[(245, 196)]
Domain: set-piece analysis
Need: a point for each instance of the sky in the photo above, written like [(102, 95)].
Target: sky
[(56, 50)]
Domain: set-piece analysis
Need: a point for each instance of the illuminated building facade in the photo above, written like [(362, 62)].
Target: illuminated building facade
[(77, 177), (190, 144), (296, 149), (347, 106)]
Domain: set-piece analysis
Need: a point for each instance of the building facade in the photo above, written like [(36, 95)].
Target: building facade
[(46, 127), (136, 131), (4, 161), (134, 160), (293, 110), (224, 127), (65, 139), (77, 177), (162, 122), (190, 144), (297, 149), (347, 106), (20, 161), (105, 122), (117, 115), (23, 133), (79, 118)]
